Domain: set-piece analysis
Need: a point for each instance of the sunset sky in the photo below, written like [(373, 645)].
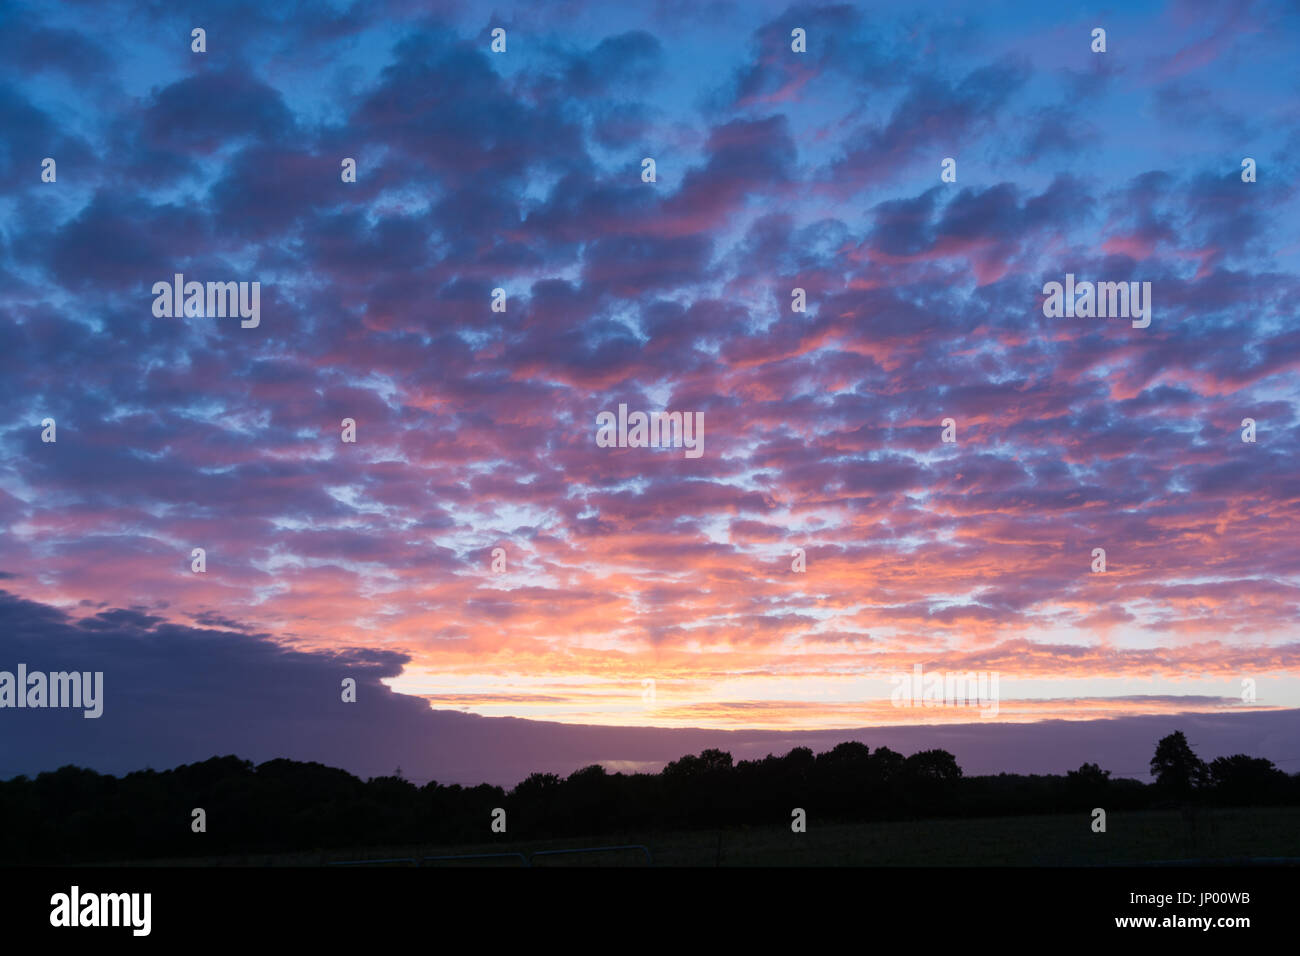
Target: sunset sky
[(477, 429)]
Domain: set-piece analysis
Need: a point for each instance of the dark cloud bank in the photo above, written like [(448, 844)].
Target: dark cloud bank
[(176, 694)]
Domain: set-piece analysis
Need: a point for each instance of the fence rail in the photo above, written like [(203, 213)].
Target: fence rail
[(476, 856), (600, 849), (397, 859), (525, 860)]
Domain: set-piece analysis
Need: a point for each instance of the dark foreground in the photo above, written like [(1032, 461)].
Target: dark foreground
[(1232, 836)]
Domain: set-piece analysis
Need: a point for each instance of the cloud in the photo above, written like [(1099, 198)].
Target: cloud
[(776, 171), (175, 694)]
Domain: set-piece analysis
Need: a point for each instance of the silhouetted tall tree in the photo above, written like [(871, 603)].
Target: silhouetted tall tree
[(1178, 771)]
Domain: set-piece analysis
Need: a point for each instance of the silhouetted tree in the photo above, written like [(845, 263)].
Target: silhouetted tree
[(1242, 779), (715, 761), (886, 764), (937, 765), (1178, 771)]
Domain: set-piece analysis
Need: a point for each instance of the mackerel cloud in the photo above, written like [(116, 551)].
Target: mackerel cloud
[(476, 428)]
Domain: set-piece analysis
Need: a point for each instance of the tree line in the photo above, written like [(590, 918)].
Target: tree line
[(78, 815)]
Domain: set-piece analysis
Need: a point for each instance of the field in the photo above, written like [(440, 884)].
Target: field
[(1150, 836)]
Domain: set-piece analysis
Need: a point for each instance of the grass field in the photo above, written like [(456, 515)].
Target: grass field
[(1228, 835)]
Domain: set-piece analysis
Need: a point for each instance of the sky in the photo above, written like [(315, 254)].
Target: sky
[(644, 587)]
